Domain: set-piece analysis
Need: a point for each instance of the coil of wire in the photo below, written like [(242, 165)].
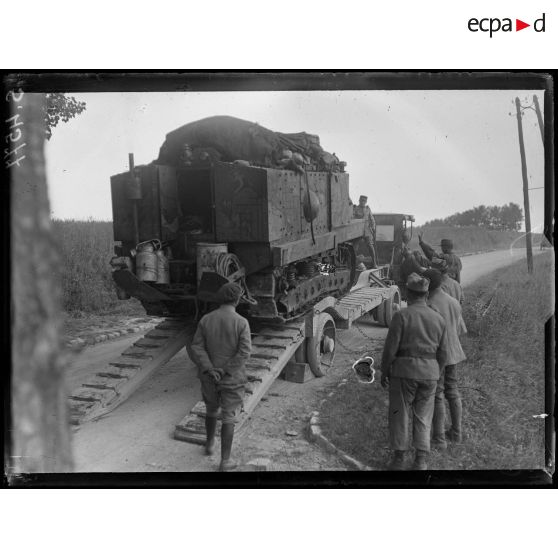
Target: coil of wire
[(226, 264)]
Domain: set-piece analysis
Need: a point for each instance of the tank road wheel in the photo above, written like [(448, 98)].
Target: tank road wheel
[(388, 308), (320, 349)]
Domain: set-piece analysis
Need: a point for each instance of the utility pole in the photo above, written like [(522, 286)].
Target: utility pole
[(541, 128), (539, 117), (525, 189)]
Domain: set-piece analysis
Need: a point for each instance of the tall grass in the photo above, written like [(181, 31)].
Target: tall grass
[(502, 382), (85, 274), (503, 379)]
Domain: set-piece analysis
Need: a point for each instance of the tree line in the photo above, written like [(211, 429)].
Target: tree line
[(500, 218)]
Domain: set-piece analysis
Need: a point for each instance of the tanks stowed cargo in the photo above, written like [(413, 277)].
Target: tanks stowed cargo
[(229, 139)]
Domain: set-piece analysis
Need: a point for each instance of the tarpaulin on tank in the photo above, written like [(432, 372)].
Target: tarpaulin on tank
[(229, 139)]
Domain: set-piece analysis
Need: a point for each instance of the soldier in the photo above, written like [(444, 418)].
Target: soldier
[(449, 285), (220, 349), (450, 309), (410, 264), (415, 352), (454, 262), (362, 211)]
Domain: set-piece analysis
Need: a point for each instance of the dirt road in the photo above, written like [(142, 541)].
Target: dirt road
[(137, 436)]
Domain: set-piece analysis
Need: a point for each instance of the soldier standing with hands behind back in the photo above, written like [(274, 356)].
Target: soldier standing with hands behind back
[(220, 349)]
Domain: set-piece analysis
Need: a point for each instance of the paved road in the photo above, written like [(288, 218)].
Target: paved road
[(477, 265), (137, 436)]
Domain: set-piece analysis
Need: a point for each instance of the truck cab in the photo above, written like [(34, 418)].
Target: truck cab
[(390, 240), (390, 229), (389, 236)]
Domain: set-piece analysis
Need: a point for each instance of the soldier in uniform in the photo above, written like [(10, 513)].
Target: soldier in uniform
[(450, 309), (449, 285), (414, 353), (453, 260), (362, 211), (220, 349), (410, 264)]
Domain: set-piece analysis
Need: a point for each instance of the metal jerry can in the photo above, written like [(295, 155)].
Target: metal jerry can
[(146, 262)]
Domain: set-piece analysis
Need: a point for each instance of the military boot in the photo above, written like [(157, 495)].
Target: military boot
[(210, 427), (420, 463), (453, 436), (456, 410), (438, 425), (397, 462), (227, 434), (439, 420)]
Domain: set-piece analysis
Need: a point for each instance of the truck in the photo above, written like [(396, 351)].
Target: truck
[(230, 201), (393, 234)]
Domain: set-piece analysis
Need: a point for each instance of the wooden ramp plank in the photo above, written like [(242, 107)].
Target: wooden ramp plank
[(270, 343), (192, 427), (149, 343), (110, 387), (259, 364)]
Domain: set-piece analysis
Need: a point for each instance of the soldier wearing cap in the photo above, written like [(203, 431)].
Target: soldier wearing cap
[(414, 353), (453, 260), (449, 285), (450, 309), (362, 211), (411, 263), (220, 349)]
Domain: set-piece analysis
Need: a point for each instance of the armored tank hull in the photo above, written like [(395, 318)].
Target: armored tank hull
[(286, 236)]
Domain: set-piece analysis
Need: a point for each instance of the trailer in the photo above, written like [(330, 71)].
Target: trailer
[(299, 350)]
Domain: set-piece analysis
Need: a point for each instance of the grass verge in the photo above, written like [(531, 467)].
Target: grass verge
[(502, 381)]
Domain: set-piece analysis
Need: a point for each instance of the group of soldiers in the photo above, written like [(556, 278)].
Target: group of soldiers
[(418, 366), (420, 356)]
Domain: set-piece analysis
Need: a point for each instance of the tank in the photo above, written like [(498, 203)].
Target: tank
[(272, 221)]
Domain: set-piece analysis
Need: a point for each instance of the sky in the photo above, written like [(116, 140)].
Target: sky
[(427, 153)]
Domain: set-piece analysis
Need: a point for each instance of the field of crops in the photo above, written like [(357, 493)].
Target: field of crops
[(85, 274)]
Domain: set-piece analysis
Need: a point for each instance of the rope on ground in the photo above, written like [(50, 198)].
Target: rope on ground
[(353, 355)]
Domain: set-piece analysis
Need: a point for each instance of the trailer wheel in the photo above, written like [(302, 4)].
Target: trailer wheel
[(388, 308), (320, 350)]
